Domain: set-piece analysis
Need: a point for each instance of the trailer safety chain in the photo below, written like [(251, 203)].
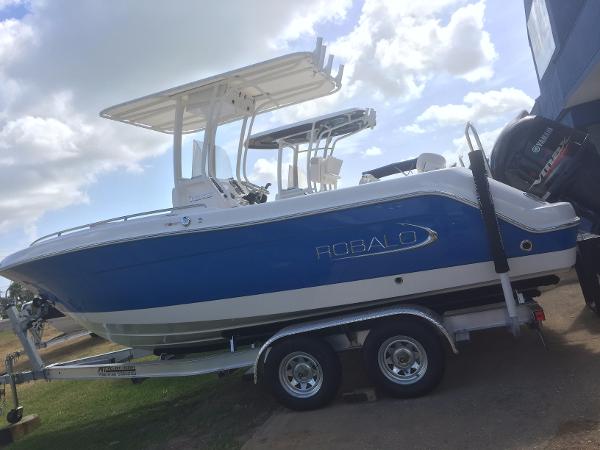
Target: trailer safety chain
[(37, 331)]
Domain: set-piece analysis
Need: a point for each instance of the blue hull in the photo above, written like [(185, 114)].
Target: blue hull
[(401, 236)]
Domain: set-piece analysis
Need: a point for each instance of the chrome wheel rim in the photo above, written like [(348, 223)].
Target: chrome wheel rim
[(402, 360), (300, 374)]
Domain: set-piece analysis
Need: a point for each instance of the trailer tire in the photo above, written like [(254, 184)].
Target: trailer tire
[(404, 358), (302, 372)]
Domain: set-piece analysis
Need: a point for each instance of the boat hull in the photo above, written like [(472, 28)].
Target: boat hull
[(259, 315), (188, 288)]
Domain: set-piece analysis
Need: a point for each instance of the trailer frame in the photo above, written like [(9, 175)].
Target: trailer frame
[(342, 332)]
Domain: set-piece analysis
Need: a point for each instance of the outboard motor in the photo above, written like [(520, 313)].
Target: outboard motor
[(551, 161), (557, 163)]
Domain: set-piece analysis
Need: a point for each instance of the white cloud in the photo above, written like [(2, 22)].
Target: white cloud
[(398, 45), (489, 111), (14, 35), (481, 107), (306, 110), (467, 51), (461, 149), (303, 22), (64, 61), (47, 162), (6, 3), (373, 151), (487, 137), (264, 171), (413, 128)]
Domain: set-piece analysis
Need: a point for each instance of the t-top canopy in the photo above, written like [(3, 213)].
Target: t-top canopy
[(231, 96), (330, 125)]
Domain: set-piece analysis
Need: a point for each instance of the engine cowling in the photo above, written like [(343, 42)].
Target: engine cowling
[(550, 160)]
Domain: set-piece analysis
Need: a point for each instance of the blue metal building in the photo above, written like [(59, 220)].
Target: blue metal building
[(564, 36)]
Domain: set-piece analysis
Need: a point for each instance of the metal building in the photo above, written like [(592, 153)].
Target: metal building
[(564, 37)]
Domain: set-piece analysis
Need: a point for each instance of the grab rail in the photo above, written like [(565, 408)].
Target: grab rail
[(469, 128), (114, 219)]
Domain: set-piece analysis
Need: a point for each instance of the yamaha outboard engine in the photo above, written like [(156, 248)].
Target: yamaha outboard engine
[(552, 161), (557, 163)]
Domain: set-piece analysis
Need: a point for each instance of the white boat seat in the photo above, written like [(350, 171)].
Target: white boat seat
[(325, 171), (427, 162)]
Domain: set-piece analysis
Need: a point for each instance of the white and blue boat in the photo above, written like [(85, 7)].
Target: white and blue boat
[(224, 262)]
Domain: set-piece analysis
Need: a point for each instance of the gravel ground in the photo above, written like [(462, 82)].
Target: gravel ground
[(499, 392)]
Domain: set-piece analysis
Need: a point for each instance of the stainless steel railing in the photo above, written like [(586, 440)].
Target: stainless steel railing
[(114, 219)]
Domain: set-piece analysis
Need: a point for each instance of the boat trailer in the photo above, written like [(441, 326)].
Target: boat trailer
[(342, 332)]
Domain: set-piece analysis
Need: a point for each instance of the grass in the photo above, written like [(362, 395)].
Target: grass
[(180, 413)]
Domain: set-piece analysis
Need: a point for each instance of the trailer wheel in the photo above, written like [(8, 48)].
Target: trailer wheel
[(302, 373), (15, 415), (405, 359)]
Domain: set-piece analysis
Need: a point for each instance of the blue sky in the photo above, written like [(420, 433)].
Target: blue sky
[(426, 67)]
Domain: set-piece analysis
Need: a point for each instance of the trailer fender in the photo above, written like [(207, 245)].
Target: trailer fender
[(420, 312)]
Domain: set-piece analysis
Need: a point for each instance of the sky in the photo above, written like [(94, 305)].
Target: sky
[(425, 67)]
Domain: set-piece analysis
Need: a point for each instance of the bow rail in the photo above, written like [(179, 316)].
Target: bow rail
[(112, 220)]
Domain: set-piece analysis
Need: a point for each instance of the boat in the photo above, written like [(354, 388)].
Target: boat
[(224, 262)]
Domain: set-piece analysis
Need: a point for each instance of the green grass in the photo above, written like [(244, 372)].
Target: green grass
[(191, 412), (181, 413)]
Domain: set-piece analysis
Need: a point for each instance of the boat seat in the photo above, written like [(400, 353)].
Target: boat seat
[(325, 171), (427, 162)]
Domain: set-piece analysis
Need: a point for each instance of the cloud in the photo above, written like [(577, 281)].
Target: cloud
[(264, 171), (14, 36), (480, 107), (63, 61), (489, 111), (46, 162), (307, 110), (487, 137), (413, 128), (372, 151), (6, 3), (398, 46), (303, 22)]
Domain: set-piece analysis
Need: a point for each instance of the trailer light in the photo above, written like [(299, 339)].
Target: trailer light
[(539, 315)]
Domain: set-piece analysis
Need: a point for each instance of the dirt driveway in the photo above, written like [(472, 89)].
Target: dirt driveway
[(499, 392)]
